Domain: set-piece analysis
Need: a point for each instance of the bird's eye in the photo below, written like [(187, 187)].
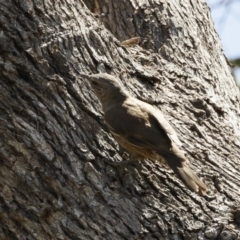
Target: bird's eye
[(94, 83)]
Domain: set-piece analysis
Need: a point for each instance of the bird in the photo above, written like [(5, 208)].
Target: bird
[(141, 128)]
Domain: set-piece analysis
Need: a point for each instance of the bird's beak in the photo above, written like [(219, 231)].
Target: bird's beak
[(86, 76), (92, 79)]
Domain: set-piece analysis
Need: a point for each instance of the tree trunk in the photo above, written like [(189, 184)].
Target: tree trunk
[(57, 177)]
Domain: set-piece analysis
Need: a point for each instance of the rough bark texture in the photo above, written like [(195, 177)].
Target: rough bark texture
[(56, 176)]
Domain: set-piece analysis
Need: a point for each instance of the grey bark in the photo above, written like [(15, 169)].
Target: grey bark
[(57, 180)]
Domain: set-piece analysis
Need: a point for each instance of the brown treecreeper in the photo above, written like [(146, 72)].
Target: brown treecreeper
[(141, 128)]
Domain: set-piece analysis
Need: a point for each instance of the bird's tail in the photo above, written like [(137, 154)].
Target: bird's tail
[(177, 162)]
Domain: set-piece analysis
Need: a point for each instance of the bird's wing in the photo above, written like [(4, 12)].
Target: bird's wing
[(157, 119), (137, 125)]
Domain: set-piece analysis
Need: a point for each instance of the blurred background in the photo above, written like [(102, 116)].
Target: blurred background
[(226, 17)]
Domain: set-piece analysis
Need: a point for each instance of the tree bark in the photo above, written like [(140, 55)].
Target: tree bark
[(58, 179)]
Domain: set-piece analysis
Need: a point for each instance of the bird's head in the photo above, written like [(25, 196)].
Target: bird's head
[(107, 88), (101, 83)]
